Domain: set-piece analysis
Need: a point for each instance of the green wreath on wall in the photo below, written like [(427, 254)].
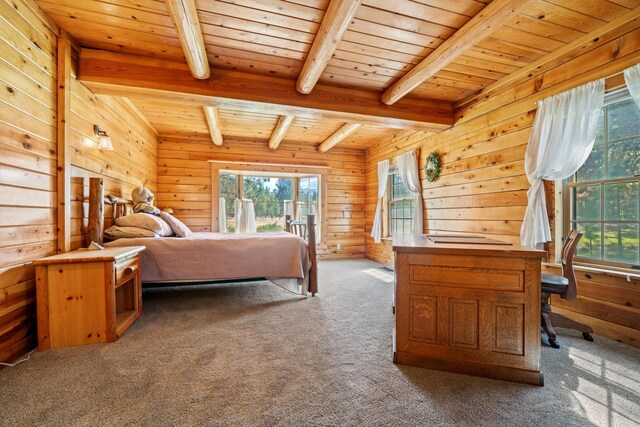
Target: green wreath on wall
[(432, 168)]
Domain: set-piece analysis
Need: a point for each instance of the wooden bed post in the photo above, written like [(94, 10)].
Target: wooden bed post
[(311, 242), (96, 210)]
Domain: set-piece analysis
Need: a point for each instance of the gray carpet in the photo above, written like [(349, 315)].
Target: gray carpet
[(254, 354)]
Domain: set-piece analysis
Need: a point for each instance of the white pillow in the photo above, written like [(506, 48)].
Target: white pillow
[(114, 232), (146, 221), (176, 225)]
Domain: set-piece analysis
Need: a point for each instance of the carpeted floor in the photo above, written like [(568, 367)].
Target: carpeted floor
[(254, 354)]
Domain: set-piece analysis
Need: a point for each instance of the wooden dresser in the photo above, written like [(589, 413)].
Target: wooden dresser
[(468, 308), (87, 297)]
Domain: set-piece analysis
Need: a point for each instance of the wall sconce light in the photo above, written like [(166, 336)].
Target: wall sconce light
[(104, 142)]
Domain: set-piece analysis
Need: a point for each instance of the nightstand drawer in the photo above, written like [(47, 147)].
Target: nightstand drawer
[(126, 268)]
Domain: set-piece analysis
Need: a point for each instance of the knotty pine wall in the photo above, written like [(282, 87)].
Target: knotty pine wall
[(482, 187), (27, 167), (132, 162), (184, 183), (28, 161)]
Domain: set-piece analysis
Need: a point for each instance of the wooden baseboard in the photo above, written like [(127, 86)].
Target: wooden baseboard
[(19, 349), (341, 256), (603, 328)]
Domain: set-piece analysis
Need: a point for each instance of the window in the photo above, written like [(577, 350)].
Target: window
[(400, 205), (229, 190), (268, 194), (604, 199), (307, 202)]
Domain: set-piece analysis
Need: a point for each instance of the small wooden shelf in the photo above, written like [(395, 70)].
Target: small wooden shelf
[(87, 297)]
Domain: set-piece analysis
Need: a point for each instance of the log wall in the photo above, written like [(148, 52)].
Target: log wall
[(27, 166), (184, 183), (482, 187), (132, 162), (28, 145)]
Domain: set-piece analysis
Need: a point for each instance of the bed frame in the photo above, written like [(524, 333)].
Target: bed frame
[(122, 207)]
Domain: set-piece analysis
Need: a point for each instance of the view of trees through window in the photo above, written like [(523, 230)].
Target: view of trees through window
[(268, 195), (229, 190), (605, 197), (400, 206), (307, 196)]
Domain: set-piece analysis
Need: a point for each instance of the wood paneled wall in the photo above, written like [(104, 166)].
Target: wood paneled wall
[(27, 166), (482, 187), (132, 162), (607, 301), (184, 183), (28, 124)]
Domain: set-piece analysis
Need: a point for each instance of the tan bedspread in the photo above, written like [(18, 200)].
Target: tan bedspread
[(216, 256)]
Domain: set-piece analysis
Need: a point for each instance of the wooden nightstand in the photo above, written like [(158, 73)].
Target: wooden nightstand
[(87, 297)]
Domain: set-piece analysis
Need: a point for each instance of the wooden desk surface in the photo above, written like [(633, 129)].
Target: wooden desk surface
[(422, 244)]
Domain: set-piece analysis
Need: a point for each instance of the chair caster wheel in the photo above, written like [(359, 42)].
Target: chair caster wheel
[(587, 336), (553, 343)]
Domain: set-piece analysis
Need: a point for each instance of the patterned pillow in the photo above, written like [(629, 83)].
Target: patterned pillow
[(146, 221), (176, 225)]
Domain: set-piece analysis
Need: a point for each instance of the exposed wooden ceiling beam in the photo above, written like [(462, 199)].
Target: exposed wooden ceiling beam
[(185, 18), (120, 74), (477, 29), (338, 136), (279, 131), (334, 24), (211, 114)]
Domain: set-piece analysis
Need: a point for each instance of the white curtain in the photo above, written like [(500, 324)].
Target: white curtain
[(288, 208), (299, 207), (248, 218), (222, 215), (237, 219), (632, 79), (561, 140), (383, 172), (408, 169)]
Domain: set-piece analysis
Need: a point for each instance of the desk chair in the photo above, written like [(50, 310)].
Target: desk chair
[(566, 286)]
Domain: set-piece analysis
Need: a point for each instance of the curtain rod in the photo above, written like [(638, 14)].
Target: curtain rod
[(270, 164)]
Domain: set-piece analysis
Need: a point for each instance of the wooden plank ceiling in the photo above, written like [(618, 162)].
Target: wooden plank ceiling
[(382, 42)]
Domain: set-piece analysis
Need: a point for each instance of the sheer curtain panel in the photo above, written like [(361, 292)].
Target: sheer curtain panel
[(248, 218), (383, 172), (561, 140), (299, 208), (632, 79), (237, 219), (222, 215), (408, 169), (288, 208)]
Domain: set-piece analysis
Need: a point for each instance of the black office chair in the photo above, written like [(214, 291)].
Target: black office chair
[(566, 286)]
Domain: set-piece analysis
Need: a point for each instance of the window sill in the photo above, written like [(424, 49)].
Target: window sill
[(620, 272), (386, 239)]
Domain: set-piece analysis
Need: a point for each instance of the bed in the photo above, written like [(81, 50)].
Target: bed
[(284, 258)]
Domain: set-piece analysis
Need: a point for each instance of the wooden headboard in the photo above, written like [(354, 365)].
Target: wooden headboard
[(97, 200)]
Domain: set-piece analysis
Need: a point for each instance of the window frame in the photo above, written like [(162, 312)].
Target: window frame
[(295, 176), (566, 197), (298, 189), (389, 201)]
